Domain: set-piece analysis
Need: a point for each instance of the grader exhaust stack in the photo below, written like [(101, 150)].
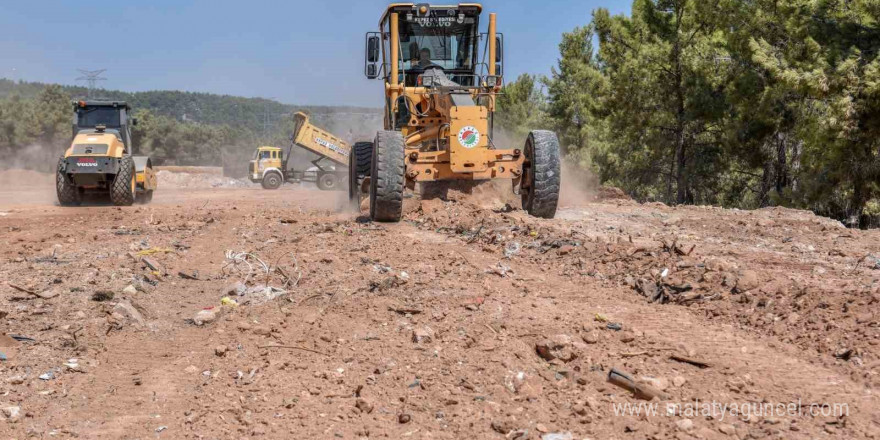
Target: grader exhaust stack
[(440, 91)]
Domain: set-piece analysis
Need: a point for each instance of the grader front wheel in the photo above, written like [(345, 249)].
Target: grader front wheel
[(387, 177), (541, 174)]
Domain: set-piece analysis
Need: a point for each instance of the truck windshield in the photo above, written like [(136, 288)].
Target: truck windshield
[(442, 40), (90, 117)]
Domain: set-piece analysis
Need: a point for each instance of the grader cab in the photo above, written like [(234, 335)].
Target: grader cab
[(441, 78)]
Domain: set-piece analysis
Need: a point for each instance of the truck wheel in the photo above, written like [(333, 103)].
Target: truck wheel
[(359, 165), (328, 182), (68, 194), (124, 187), (387, 177), (541, 174), (272, 181)]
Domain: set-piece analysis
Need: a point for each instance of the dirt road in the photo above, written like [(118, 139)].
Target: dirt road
[(463, 321)]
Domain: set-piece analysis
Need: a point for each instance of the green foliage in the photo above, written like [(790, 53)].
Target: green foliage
[(521, 108), (174, 128), (726, 102)]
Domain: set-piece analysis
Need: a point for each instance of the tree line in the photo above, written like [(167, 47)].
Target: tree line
[(726, 102), (174, 128)]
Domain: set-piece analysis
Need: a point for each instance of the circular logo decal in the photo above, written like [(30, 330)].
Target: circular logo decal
[(469, 137)]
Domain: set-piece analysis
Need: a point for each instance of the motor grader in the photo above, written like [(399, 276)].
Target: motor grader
[(440, 91), (101, 160)]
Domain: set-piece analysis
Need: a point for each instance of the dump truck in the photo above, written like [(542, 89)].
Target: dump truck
[(439, 97), (271, 167), (102, 160)]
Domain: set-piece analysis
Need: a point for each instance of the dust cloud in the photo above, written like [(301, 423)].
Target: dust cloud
[(579, 185)]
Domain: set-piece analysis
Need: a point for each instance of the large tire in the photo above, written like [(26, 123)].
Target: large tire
[(541, 174), (359, 165), (272, 180), (328, 182), (124, 187), (68, 194), (387, 177)]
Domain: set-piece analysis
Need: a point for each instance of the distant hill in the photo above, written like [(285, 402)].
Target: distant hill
[(176, 128), (206, 108)]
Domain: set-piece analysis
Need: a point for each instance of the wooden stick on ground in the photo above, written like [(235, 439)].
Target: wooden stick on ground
[(687, 360)]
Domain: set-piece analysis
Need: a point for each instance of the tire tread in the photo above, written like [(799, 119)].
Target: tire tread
[(387, 177)]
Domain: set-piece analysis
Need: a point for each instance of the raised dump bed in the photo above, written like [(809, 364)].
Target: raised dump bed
[(271, 167)]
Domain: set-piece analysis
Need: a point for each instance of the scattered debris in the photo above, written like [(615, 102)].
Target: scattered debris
[(194, 275), (422, 335), (640, 391), (500, 270), (405, 310), (42, 295), (512, 249), (558, 436), (103, 295), (363, 405), (125, 312), (153, 265), (12, 413), (557, 347), (153, 251), (205, 316), (697, 363)]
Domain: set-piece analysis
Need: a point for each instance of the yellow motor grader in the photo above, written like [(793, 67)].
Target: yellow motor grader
[(101, 158), (440, 91)]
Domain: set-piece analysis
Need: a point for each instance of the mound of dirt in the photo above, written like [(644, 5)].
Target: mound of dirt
[(216, 171), (611, 193), (168, 179)]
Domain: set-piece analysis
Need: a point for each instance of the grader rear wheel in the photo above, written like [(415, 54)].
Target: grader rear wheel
[(359, 166)]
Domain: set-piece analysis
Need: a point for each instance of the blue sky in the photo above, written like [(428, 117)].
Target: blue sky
[(298, 52)]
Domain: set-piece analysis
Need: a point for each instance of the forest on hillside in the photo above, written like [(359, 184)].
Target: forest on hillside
[(175, 128), (735, 103)]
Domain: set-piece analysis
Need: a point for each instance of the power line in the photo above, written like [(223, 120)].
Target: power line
[(91, 77)]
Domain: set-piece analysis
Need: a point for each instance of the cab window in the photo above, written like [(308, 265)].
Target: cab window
[(265, 155)]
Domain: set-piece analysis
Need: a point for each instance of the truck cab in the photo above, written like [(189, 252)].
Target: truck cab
[(267, 167)]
